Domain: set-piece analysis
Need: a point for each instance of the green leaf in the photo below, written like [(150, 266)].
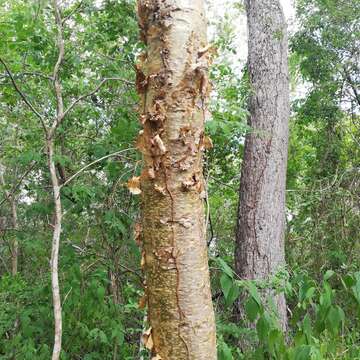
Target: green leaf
[(259, 353), (252, 309), (263, 327), (309, 293), (100, 292), (233, 294), (225, 352), (276, 340), (225, 268), (328, 275), (102, 337), (226, 284), (302, 352), (118, 333), (356, 287), (254, 292), (306, 326), (334, 319), (348, 281)]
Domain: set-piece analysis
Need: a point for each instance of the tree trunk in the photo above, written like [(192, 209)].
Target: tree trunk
[(173, 84), (15, 244), (14, 220), (259, 249), (55, 251)]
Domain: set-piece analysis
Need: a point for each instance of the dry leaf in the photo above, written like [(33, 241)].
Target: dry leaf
[(159, 143), (151, 173), (208, 144), (203, 194), (142, 302), (160, 189), (204, 50), (141, 80), (186, 134), (188, 184), (142, 262), (156, 357), (133, 185), (137, 233), (147, 340), (149, 343), (143, 119)]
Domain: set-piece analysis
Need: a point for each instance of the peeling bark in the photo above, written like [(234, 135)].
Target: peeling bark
[(172, 82), (261, 214)]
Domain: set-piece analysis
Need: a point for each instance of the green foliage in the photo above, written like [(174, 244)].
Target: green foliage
[(323, 320)]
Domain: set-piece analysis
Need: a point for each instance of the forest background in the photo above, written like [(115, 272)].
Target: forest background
[(95, 156)]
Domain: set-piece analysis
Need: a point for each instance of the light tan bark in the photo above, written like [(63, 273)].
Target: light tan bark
[(55, 252), (50, 142), (172, 81)]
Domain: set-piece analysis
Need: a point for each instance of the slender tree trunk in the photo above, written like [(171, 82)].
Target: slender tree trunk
[(259, 249), (173, 84), (50, 142), (15, 244), (55, 251), (14, 220)]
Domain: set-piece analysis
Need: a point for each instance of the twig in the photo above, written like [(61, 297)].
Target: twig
[(72, 12), (57, 84), (66, 296), (352, 85), (16, 186), (22, 95), (223, 184), (82, 97), (29, 73), (93, 163), (131, 271)]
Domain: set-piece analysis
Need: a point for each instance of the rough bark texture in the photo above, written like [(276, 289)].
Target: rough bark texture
[(172, 81), (261, 213)]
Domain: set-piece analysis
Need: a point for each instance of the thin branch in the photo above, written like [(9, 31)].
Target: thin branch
[(22, 95), (29, 73), (66, 296), (224, 184), (93, 163), (16, 186), (212, 235), (352, 85), (68, 16), (131, 271), (60, 59), (82, 97)]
